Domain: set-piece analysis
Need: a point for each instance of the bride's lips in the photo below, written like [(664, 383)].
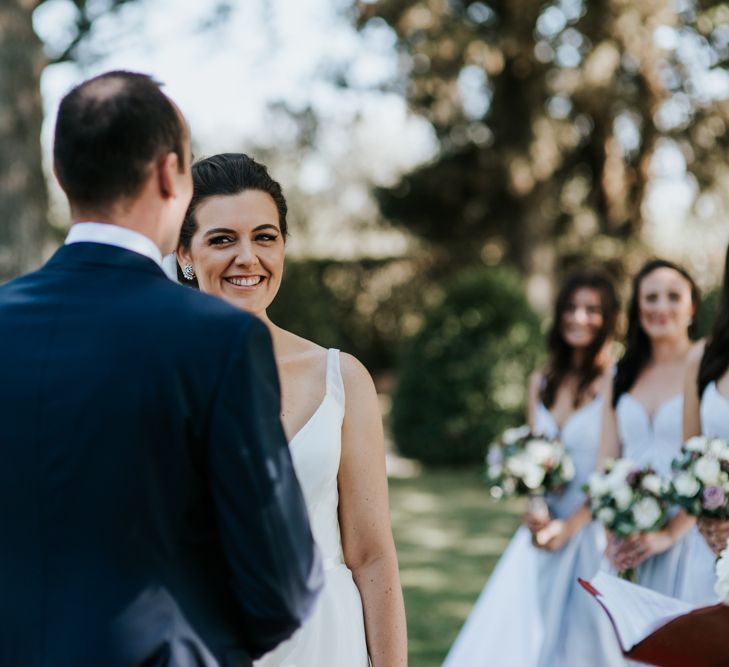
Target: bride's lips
[(245, 283)]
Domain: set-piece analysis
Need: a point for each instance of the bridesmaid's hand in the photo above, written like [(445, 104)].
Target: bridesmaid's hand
[(536, 521), (633, 550), (553, 536), (716, 533)]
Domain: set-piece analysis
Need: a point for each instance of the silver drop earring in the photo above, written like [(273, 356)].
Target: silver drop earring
[(188, 272)]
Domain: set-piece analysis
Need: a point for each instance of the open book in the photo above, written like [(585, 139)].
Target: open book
[(661, 630)]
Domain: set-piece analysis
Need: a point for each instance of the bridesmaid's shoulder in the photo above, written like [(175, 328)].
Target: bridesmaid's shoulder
[(536, 380), (696, 352)]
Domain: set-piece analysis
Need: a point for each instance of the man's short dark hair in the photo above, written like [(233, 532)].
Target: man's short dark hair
[(109, 130)]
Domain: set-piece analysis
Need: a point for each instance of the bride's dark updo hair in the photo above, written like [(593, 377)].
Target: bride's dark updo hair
[(227, 174), (561, 354), (638, 348)]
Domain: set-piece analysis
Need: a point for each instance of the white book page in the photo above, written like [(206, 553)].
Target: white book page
[(636, 611)]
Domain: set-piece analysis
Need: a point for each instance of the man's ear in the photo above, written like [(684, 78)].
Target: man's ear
[(167, 170)]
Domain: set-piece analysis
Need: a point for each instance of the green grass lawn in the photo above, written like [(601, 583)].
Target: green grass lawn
[(449, 535)]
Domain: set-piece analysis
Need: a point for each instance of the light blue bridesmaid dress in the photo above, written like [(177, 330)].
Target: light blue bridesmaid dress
[(686, 570), (532, 612)]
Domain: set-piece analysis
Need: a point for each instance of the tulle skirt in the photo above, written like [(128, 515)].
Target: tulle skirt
[(533, 613)]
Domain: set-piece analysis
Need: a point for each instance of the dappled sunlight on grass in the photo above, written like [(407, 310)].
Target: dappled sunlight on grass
[(449, 535)]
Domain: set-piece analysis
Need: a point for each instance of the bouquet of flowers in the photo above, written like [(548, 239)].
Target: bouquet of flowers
[(628, 498), (700, 482), (522, 463)]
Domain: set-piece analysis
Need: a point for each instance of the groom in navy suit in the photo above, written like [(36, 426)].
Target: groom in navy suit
[(149, 513)]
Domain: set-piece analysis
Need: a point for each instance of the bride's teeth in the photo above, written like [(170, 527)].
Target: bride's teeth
[(245, 282)]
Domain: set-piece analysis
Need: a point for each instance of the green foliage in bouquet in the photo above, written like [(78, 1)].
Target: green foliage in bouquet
[(462, 379)]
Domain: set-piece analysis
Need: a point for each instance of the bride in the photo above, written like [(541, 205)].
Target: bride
[(532, 612), (232, 245)]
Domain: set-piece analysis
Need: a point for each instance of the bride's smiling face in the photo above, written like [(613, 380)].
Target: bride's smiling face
[(237, 252)]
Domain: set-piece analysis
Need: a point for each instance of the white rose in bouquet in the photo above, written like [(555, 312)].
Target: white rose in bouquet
[(513, 435), (696, 444), (606, 516), (716, 448), (686, 485), (533, 476), (540, 451), (568, 469), (597, 485), (646, 513), (623, 496), (495, 470), (707, 469), (516, 466), (653, 483)]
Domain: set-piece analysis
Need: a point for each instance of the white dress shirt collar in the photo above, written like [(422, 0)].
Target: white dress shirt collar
[(121, 237)]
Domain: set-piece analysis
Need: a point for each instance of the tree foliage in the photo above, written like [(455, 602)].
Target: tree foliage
[(549, 115)]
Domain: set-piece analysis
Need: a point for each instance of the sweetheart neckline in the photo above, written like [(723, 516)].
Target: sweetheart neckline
[(652, 417), (560, 429)]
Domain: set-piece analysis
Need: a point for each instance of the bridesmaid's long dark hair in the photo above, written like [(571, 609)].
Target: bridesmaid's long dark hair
[(716, 354), (561, 354), (637, 344)]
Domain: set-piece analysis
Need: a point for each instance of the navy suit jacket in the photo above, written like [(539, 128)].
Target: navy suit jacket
[(149, 513)]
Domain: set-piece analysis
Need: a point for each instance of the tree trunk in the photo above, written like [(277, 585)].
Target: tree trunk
[(23, 194)]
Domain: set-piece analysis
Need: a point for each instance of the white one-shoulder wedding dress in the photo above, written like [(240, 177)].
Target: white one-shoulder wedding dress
[(334, 635), (532, 612), (686, 570)]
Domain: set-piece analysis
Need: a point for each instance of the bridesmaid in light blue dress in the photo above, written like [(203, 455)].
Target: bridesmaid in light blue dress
[(706, 410), (643, 422), (532, 612)]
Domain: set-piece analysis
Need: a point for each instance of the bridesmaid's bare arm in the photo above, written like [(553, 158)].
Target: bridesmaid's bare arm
[(691, 398), (609, 443), (535, 385), (364, 517)]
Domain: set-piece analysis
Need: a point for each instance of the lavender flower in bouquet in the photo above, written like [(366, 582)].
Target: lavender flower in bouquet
[(700, 481), (521, 463), (628, 499)]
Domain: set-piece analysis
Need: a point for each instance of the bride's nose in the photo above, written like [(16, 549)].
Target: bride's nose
[(245, 256)]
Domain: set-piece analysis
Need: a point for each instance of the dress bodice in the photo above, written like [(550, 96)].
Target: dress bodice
[(714, 413), (580, 435), (334, 634), (316, 450), (647, 440)]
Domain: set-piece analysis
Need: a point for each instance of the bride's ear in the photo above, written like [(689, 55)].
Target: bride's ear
[(183, 256)]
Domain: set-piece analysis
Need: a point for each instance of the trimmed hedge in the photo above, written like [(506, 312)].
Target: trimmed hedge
[(463, 377)]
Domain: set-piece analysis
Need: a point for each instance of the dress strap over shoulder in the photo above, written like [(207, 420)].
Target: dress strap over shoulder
[(335, 384)]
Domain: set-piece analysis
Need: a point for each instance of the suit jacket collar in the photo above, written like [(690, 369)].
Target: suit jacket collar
[(102, 255)]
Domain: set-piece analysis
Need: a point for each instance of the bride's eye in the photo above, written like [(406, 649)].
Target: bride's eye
[(266, 238), (220, 240)]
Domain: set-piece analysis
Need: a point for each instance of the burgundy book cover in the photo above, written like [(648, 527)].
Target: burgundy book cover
[(697, 639)]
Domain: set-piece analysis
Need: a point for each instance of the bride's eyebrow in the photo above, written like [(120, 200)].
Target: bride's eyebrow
[(218, 230), (266, 226)]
